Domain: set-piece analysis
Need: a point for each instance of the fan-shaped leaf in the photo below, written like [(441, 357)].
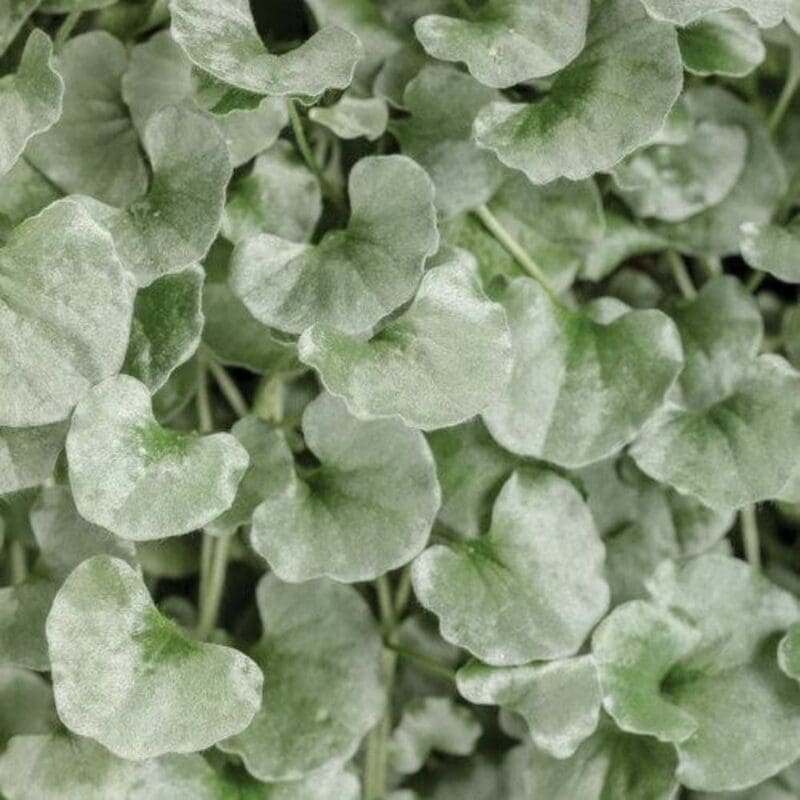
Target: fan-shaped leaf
[(532, 587), (612, 99), (438, 364), (129, 678), (353, 277), (366, 509), (120, 459), (580, 389), (321, 651), (65, 312)]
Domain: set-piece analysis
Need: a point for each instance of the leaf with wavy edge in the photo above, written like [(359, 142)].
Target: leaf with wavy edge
[(767, 13), (30, 100), (368, 508), (438, 364), (519, 592), (65, 312), (120, 459), (726, 43), (559, 701), (134, 681), (351, 117), (220, 37), (508, 41), (612, 99), (580, 389), (321, 652), (353, 277)]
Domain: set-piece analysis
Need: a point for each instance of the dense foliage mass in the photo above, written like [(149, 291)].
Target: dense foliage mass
[(399, 399)]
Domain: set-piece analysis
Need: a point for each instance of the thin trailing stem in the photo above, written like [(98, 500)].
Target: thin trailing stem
[(68, 25), (214, 584), (403, 592), (228, 388), (495, 227), (18, 564), (385, 604), (754, 281), (205, 419), (750, 539), (786, 95), (681, 275), (420, 660), (307, 153)]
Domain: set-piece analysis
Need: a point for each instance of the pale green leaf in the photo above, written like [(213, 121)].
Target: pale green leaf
[(270, 468), (65, 6), (431, 724), (250, 131), (726, 43), (580, 389), (167, 323), (674, 182), (65, 312), (559, 701), (176, 557), (120, 459), (28, 455), (366, 509), (321, 652), (612, 99), (220, 37), (24, 192), (754, 198), (174, 224), (355, 276), (23, 611), (793, 15), (773, 248), (26, 705), (438, 135), (440, 363), (134, 681), (30, 100), (766, 13), (351, 117), (279, 196), (13, 14), (471, 469), (739, 450), (789, 652), (508, 41), (93, 149), (66, 539), (530, 588), (610, 764)]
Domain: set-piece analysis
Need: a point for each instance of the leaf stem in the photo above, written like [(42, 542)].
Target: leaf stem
[(681, 275), (205, 419), (308, 155), (228, 388), (385, 604), (211, 598), (750, 538), (495, 227), (403, 592), (420, 660), (18, 564), (754, 281), (68, 25), (785, 98)]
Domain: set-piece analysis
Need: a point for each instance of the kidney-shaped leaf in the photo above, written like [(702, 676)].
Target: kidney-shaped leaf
[(30, 101), (580, 389), (612, 99), (366, 509), (65, 312), (355, 276), (220, 37), (120, 460), (440, 363), (321, 653), (134, 681), (531, 588), (508, 41), (174, 224)]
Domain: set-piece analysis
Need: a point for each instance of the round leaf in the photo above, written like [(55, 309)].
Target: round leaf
[(321, 653), (220, 37), (65, 312), (131, 679), (120, 460), (508, 41), (448, 353), (368, 508), (612, 99), (580, 389), (531, 588), (353, 277)]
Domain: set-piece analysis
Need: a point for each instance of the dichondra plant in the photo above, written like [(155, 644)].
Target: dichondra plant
[(399, 400)]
